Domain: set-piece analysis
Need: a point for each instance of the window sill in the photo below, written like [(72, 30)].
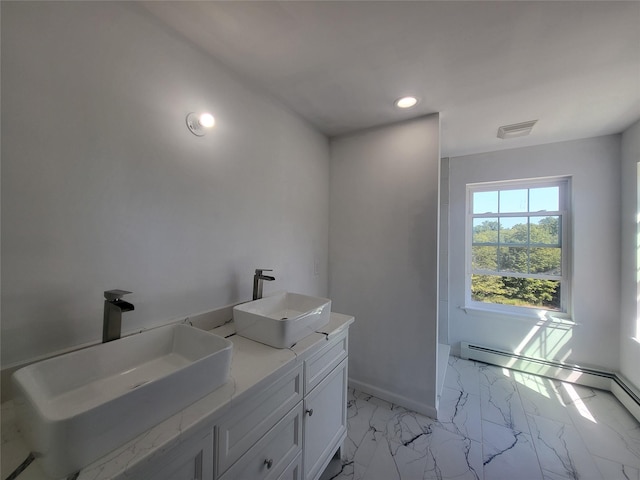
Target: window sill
[(526, 315)]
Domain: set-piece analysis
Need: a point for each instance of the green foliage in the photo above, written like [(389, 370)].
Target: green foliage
[(527, 292), (529, 246)]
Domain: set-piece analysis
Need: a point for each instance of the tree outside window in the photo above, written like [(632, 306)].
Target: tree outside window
[(517, 249)]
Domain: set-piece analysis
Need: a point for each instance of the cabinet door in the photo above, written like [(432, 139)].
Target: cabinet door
[(190, 460), (325, 421)]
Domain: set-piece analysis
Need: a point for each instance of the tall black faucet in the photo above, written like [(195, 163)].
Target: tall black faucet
[(113, 308), (257, 281)]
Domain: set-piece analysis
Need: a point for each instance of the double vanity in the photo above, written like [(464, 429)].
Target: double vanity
[(262, 397)]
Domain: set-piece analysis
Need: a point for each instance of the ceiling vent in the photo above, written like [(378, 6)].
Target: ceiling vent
[(516, 130)]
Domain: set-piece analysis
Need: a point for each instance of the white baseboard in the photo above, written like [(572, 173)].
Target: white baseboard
[(423, 408), (627, 394)]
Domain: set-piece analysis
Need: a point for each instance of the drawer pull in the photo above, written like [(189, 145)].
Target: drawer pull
[(269, 463), (310, 411)]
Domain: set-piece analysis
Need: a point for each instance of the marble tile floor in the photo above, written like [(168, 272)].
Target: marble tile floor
[(496, 424)]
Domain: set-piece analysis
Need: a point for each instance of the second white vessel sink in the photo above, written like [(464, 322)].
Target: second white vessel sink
[(282, 319), (75, 408)]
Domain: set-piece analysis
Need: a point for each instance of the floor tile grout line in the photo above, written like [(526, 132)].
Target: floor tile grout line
[(533, 443), (529, 432)]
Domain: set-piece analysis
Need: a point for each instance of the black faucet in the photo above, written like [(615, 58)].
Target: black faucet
[(113, 308), (257, 281)]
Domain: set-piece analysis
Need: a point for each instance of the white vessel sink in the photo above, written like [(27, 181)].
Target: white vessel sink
[(282, 319), (75, 408)]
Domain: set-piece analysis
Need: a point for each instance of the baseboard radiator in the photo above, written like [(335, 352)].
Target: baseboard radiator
[(623, 390)]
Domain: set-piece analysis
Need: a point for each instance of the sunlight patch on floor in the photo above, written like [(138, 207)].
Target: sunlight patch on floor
[(577, 401), (539, 385)]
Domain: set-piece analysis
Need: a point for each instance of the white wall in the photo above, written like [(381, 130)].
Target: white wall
[(104, 187), (384, 257), (594, 165), (443, 267), (629, 334)]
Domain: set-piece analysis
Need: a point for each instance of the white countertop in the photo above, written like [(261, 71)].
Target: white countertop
[(253, 365)]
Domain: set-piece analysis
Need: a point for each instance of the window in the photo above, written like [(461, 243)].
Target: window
[(517, 244)]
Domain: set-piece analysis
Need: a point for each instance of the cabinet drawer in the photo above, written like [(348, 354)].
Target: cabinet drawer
[(294, 470), (321, 363), (250, 420), (273, 453), (190, 460)]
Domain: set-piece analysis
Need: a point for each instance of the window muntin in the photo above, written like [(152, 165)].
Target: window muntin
[(517, 247)]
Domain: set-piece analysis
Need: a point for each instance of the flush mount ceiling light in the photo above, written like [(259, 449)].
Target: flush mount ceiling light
[(516, 130), (197, 123), (406, 102)]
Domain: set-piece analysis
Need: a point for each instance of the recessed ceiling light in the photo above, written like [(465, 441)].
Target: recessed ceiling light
[(406, 102), (516, 129), (197, 123)]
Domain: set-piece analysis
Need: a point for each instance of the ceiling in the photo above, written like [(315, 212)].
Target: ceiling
[(574, 66)]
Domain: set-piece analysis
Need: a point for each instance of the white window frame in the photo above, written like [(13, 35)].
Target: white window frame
[(565, 243)]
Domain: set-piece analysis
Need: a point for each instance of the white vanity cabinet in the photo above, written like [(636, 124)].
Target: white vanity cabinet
[(294, 470), (271, 455), (263, 433), (190, 460), (325, 423), (325, 405), (290, 429), (241, 428)]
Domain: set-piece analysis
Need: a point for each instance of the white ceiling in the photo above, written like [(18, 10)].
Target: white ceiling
[(574, 66)]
